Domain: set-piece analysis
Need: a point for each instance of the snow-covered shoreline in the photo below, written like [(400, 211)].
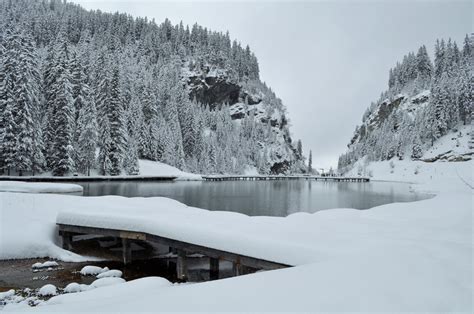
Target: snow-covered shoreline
[(28, 187), (148, 170), (397, 257)]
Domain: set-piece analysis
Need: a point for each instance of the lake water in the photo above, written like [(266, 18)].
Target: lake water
[(263, 198)]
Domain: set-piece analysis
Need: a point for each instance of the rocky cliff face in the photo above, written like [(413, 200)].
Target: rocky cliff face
[(215, 87)]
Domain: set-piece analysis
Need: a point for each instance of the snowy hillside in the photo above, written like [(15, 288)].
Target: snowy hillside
[(427, 108), (74, 81)]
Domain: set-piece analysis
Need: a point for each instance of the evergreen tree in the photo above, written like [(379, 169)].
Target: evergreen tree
[(87, 141), (62, 120), (8, 145), (310, 162), (117, 127), (424, 67)]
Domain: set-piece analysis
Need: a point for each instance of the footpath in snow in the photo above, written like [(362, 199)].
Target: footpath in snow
[(396, 257)]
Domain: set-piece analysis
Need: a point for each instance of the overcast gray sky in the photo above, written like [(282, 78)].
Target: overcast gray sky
[(327, 60)]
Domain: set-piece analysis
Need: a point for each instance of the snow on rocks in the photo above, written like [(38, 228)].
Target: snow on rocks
[(110, 273), (107, 281), (93, 270), (74, 287), (48, 290), (39, 187), (47, 264)]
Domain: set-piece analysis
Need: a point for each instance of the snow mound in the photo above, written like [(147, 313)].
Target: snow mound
[(110, 273), (92, 270), (7, 294), (39, 187), (74, 287), (48, 290), (107, 281), (46, 264)]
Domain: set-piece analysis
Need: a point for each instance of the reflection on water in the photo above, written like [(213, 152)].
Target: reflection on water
[(263, 198)]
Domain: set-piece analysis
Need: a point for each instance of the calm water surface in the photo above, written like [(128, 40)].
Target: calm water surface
[(263, 198)]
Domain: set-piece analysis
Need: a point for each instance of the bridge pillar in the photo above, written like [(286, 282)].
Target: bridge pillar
[(67, 240), (213, 268), (181, 266), (237, 269), (126, 251)]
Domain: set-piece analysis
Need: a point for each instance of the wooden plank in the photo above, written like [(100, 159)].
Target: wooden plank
[(132, 235), (180, 245)]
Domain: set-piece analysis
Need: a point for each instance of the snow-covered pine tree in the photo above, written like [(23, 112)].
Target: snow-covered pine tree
[(62, 120), (26, 97), (87, 129), (8, 143), (439, 62), (424, 68), (310, 162), (7, 87), (115, 115), (417, 150)]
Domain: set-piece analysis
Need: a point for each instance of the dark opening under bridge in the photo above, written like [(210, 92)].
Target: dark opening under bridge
[(241, 263)]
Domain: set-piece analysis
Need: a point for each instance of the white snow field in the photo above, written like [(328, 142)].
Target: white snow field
[(37, 187), (397, 257)]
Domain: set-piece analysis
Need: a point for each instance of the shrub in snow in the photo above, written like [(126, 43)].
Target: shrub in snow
[(110, 273), (93, 270), (48, 290)]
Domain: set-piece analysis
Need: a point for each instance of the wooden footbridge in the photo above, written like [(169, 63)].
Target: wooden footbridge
[(241, 263), (280, 177)]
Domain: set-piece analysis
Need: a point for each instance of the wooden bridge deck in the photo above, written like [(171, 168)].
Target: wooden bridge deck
[(240, 262), (275, 177)]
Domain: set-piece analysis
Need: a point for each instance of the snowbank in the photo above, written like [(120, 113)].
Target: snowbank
[(396, 257), (37, 187), (28, 229), (156, 168)]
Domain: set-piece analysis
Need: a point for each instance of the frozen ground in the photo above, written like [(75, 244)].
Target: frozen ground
[(29, 187), (397, 257)]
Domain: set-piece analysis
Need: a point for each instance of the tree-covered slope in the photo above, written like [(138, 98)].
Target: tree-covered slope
[(82, 90), (423, 103)]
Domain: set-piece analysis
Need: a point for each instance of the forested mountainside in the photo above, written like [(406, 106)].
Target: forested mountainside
[(424, 101), (82, 90)]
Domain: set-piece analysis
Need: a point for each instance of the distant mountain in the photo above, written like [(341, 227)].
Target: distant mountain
[(82, 90), (424, 102)]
